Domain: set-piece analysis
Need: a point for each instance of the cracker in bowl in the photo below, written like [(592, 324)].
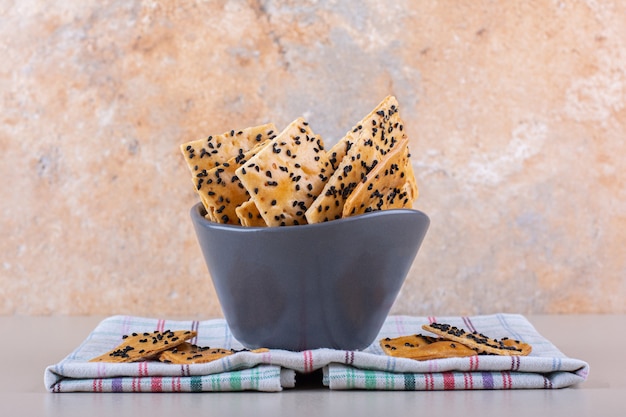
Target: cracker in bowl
[(286, 175), (204, 155)]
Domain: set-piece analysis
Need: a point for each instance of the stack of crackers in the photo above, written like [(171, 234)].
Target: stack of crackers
[(451, 342), (167, 346), (261, 177)]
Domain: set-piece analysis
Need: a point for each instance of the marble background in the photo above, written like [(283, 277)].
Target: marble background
[(516, 113)]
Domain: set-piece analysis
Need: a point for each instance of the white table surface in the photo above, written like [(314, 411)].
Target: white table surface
[(31, 343)]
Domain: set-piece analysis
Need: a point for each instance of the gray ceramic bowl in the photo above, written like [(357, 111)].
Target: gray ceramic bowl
[(303, 287)]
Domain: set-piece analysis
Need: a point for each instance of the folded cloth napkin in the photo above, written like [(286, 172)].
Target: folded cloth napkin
[(545, 367)]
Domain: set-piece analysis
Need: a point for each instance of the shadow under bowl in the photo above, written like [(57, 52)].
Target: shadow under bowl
[(326, 285)]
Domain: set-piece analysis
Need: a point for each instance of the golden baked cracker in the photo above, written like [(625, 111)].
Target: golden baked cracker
[(478, 341), (223, 192), (205, 154), (286, 176), (138, 346), (364, 146), (249, 215), (524, 347), (339, 150), (391, 184), (390, 345), (420, 347), (188, 353), (442, 349)]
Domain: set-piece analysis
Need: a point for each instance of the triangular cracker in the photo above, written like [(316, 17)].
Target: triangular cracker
[(365, 145), (205, 154), (478, 341), (139, 346), (339, 150), (391, 184), (188, 353), (420, 347), (286, 176)]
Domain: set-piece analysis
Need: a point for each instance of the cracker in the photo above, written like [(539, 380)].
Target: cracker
[(139, 346), (420, 347), (249, 215), (339, 150), (223, 192), (478, 341), (284, 178), (205, 154), (188, 353), (391, 184), (362, 148), (391, 345)]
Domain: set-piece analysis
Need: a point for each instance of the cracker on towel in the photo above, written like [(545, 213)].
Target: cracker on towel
[(420, 347), (191, 353), (478, 341), (188, 353), (140, 346)]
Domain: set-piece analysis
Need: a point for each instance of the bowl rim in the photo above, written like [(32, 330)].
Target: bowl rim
[(198, 208)]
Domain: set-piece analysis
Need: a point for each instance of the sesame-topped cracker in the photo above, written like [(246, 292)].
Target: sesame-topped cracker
[(249, 215), (286, 176), (205, 154), (478, 341), (420, 347), (390, 345), (339, 149), (365, 146), (139, 346), (188, 353), (223, 192), (391, 184)]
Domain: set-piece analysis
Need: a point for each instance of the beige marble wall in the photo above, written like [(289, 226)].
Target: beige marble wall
[(516, 112)]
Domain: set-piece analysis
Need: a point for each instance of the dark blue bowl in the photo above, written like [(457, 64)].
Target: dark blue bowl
[(326, 285)]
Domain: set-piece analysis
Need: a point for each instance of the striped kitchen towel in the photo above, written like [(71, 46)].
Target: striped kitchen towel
[(242, 371), (545, 368), (276, 369)]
